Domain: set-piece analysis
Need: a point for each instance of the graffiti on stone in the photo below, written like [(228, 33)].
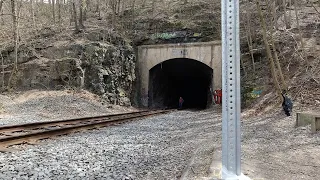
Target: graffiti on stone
[(179, 52)]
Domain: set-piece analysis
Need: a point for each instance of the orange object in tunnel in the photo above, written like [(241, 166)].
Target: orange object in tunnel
[(217, 95)]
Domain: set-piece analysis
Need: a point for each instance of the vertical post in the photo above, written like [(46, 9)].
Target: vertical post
[(231, 137)]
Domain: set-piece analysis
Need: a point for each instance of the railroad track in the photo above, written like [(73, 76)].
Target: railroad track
[(32, 132)]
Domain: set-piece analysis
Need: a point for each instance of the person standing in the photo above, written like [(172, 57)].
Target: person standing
[(286, 104), (180, 102)]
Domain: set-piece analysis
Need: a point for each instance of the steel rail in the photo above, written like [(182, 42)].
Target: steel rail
[(57, 122), (48, 133)]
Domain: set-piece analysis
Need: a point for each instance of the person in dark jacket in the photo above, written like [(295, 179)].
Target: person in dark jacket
[(180, 102), (286, 104)]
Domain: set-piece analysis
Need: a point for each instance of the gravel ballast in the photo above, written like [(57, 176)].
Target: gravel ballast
[(158, 147), (179, 145)]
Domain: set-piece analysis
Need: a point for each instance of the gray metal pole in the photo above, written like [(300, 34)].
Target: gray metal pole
[(231, 136)]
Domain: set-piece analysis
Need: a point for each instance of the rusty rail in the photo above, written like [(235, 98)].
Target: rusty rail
[(31, 132)]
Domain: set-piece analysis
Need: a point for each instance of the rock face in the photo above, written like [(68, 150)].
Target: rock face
[(103, 66)]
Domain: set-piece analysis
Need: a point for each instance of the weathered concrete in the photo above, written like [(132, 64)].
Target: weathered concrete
[(208, 53), (306, 118)]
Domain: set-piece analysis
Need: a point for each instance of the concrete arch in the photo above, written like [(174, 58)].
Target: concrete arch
[(175, 78), (149, 56), (161, 62)]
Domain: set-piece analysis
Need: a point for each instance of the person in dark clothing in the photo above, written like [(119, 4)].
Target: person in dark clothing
[(180, 102), (286, 104)]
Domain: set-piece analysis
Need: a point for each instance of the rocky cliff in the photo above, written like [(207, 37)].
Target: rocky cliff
[(98, 60)]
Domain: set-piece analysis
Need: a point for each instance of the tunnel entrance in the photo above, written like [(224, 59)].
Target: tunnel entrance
[(188, 78)]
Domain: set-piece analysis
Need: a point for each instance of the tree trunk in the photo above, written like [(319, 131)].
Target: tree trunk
[(153, 8), (1, 4), (266, 43), (123, 5), (98, 5), (2, 63), (70, 8), (118, 7), (98, 9), (85, 9), (53, 11), (249, 39), (15, 32), (283, 83), (77, 30), (113, 4), (276, 58), (32, 13), (59, 12), (81, 26), (88, 6), (15, 39), (286, 21), (244, 69), (133, 14), (298, 24), (274, 15), (290, 14)]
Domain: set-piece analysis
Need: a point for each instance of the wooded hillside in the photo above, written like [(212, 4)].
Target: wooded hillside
[(279, 43)]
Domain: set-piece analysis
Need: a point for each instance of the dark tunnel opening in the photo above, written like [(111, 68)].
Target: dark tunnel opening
[(186, 78)]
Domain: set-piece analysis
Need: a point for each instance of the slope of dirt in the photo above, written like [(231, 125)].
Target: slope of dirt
[(300, 65), (35, 105)]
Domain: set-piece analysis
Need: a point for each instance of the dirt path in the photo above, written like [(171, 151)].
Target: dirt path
[(274, 149)]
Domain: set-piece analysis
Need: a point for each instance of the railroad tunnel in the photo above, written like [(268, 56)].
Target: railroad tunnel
[(188, 78)]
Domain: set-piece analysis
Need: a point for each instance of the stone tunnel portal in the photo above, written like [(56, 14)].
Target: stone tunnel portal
[(183, 77)]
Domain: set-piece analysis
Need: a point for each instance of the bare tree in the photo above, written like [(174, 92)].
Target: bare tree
[(59, 12), (32, 13), (266, 43), (133, 13), (298, 24), (81, 9), (98, 9), (53, 11), (274, 14), (286, 20), (2, 64), (275, 54), (249, 38), (114, 7), (15, 32), (74, 10), (1, 4), (14, 15), (118, 6), (154, 3), (85, 9), (290, 14)]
